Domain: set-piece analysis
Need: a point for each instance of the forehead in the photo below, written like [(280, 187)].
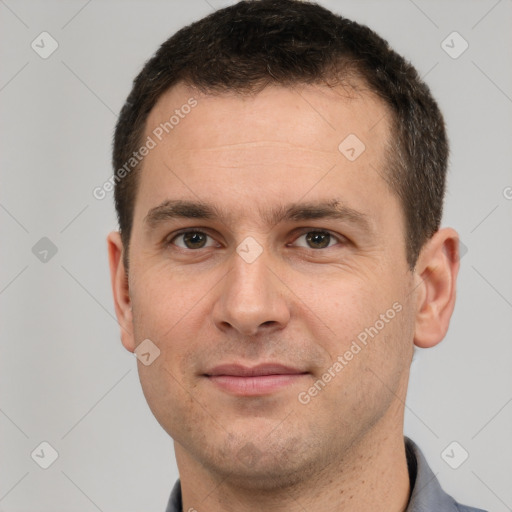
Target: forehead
[(254, 151), (316, 117)]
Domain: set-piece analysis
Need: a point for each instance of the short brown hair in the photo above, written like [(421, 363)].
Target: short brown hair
[(254, 43)]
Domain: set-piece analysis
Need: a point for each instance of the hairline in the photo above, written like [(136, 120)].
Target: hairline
[(393, 162)]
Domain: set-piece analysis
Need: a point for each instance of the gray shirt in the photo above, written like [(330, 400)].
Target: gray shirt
[(426, 495)]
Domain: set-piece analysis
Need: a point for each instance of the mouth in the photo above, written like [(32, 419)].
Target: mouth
[(263, 379)]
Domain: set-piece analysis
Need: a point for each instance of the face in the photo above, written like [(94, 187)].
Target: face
[(268, 267)]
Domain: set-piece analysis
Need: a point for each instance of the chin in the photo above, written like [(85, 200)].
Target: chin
[(265, 475), (261, 465)]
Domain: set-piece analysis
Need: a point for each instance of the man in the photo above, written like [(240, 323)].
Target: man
[(279, 177)]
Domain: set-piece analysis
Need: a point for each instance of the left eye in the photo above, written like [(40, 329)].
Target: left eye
[(318, 239), (192, 240)]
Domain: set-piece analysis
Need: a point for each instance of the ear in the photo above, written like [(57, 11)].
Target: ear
[(120, 289), (436, 275)]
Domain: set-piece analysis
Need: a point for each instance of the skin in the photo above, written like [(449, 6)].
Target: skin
[(297, 303)]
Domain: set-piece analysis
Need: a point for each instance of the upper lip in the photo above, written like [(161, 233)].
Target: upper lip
[(239, 370)]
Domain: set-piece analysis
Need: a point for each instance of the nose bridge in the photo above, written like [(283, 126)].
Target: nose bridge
[(251, 295), (248, 278)]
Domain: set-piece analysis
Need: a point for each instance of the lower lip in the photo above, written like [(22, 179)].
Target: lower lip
[(255, 385)]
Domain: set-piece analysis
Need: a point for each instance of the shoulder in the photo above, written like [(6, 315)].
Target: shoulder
[(465, 508), (426, 492)]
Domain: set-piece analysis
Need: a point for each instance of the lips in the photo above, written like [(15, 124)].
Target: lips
[(236, 370), (258, 380)]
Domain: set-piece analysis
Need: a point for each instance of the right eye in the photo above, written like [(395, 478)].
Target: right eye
[(192, 239)]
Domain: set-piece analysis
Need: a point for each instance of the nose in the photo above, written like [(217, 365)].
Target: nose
[(251, 298)]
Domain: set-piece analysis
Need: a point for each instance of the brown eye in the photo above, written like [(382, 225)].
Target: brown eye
[(191, 240), (316, 240)]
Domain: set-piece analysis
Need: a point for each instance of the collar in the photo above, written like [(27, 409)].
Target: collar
[(426, 496)]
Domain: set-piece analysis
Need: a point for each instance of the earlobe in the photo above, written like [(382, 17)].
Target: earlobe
[(120, 289), (437, 269)]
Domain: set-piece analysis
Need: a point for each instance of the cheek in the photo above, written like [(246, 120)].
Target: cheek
[(369, 325), (163, 298), (170, 399), (164, 312), (160, 313), (369, 365), (342, 303)]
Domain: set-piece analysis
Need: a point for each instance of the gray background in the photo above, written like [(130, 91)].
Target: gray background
[(64, 376)]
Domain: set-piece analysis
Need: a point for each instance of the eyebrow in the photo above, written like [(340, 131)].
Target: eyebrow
[(333, 209)]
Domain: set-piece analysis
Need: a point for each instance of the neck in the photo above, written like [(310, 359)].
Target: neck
[(372, 475)]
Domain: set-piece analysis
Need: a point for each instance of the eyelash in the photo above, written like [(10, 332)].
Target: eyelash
[(339, 238)]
